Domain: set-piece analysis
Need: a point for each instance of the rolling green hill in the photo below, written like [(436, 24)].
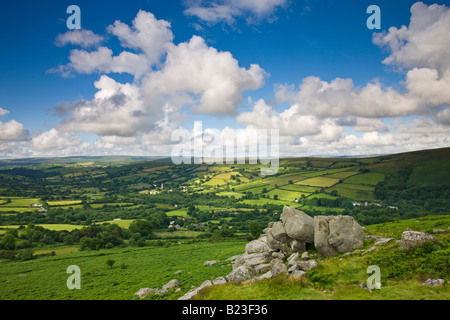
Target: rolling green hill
[(88, 209)]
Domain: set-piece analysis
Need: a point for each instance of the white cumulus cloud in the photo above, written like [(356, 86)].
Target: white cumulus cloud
[(55, 140), (227, 11), (83, 38), (12, 131)]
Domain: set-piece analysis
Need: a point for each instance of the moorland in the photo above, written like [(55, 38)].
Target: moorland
[(151, 218)]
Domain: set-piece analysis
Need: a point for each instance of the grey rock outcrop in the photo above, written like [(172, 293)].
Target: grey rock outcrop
[(307, 265), (298, 225), (291, 233), (239, 274), (282, 247), (337, 234), (277, 266), (219, 280), (143, 292), (279, 233), (191, 293), (433, 282), (293, 259), (172, 284), (252, 260), (257, 246), (266, 275), (298, 274), (412, 239), (210, 263)]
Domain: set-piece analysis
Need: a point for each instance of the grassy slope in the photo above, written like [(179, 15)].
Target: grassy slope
[(45, 278), (340, 277)]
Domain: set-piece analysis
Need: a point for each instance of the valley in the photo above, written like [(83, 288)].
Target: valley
[(149, 212)]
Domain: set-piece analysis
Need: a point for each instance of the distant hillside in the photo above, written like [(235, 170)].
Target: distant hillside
[(75, 160)]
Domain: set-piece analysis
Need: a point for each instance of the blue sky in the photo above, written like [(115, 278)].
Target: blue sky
[(289, 43)]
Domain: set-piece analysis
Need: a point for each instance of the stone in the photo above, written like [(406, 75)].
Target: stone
[(433, 282), (257, 246), (279, 233), (279, 255), (144, 292), (274, 244), (413, 239), (172, 284), (345, 233), (234, 257), (298, 274), (219, 280), (297, 224), (210, 263), (371, 237), (305, 255), (371, 249), (307, 265), (191, 293), (321, 233), (382, 241), (277, 266), (298, 246), (337, 234), (293, 259), (178, 272), (161, 291), (440, 230), (240, 274), (261, 268), (266, 275), (277, 245), (251, 260)]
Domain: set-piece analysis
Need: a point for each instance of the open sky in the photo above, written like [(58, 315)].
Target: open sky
[(138, 70)]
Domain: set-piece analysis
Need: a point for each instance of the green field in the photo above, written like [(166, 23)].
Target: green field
[(125, 223), (101, 205), (63, 203), (263, 201), (209, 208), (152, 267), (342, 175), (59, 227), (354, 194), (356, 186), (17, 202), (308, 208), (237, 195), (286, 195), (371, 178), (215, 182), (177, 212), (321, 196), (250, 185), (15, 209), (299, 188), (260, 190), (319, 182), (324, 172)]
